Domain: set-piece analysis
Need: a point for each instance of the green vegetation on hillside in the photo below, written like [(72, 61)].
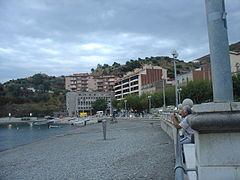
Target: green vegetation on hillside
[(40, 95), (165, 62)]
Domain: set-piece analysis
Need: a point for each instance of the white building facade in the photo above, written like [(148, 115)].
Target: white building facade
[(78, 102), (139, 81)]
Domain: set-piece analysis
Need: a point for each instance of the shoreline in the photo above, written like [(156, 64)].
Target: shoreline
[(83, 154)]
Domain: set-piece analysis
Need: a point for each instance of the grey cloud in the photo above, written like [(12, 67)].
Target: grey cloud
[(50, 36)]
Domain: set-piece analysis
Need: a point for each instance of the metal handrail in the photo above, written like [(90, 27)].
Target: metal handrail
[(179, 168)]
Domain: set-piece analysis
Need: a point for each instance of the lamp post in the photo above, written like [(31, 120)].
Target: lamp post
[(149, 99), (125, 101), (9, 115), (179, 95), (175, 55), (164, 98), (111, 108)]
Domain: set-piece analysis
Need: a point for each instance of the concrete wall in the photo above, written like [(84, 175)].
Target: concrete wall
[(218, 157)]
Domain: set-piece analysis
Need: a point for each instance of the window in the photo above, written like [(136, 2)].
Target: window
[(134, 77), (126, 85), (125, 80), (126, 90), (134, 83), (135, 88)]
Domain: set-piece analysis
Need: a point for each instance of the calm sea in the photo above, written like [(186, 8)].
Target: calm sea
[(18, 135)]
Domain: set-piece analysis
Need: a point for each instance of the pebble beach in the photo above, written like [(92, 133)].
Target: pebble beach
[(132, 150)]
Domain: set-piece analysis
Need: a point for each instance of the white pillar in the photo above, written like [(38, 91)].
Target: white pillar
[(217, 138)]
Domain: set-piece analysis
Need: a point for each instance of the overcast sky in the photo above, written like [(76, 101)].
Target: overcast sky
[(62, 37)]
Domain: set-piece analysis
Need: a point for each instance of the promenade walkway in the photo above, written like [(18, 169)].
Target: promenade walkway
[(133, 150)]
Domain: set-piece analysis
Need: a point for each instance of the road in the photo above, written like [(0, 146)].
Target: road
[(133, 150)]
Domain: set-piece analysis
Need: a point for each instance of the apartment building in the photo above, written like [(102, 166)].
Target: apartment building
[(105, 83), (84, 82), (77, 82), (78, 102), (136, 82)]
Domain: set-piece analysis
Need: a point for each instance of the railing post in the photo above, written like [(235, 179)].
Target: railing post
[(179, 170)]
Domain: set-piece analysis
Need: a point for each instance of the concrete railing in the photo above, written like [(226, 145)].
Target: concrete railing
[(168, 127)]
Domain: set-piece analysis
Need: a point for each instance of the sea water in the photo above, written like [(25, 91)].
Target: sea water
[(15, 135)]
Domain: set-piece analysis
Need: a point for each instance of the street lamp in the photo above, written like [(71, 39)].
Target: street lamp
[(9, 115), (164, 98), (149, 98), (175, 55), (179, 94), (125, 101)]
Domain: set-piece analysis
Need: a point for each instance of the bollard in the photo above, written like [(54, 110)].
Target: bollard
[(104, 125)]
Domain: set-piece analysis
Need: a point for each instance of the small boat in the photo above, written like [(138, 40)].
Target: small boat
[(80, 121), (40, 123), (53, 126)]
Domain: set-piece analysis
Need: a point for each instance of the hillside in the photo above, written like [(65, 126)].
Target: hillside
[(163, 61), (206, 59), (40, 95)]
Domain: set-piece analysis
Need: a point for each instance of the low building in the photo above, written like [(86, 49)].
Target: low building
[(185, 78), (78, 102), (153, 87), (204, 72), (139, 81)]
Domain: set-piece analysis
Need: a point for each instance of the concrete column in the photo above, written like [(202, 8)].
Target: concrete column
[(217, 125), (217, 138), (219, 51)]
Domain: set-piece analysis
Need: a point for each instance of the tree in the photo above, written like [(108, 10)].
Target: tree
[(144, 102), (105, 66), (170, 96), (99, 105), (2, 93), (199, 91), (134, 102), (115, 103), (115, 64), (157, 99), (99, 66), (37, 79), (236, 86)]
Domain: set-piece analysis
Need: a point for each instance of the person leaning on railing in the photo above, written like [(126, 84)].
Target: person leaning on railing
[(183, 123)]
